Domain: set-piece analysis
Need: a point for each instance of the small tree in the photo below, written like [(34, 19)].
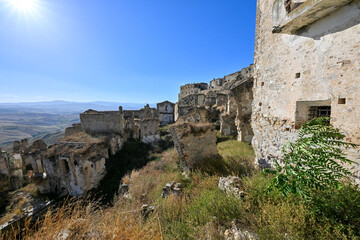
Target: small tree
[(314, 161)]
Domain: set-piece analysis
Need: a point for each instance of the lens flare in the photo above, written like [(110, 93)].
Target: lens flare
[(24, 5)]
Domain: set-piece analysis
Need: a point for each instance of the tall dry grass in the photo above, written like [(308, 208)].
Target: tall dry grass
[(83, 219)]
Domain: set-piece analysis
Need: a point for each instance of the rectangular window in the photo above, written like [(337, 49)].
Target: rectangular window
[(319, 111), (308, 110), (65, 165)]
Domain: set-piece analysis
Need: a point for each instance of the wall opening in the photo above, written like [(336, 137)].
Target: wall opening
[(342, 101), (65, 165), (308, 110), (262, 84)]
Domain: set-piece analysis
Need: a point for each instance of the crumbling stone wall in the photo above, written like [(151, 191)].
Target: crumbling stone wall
[(106, 122), (243, 96), (166, 112), (76, 167), (149, 130), (5, 171), (75, 128), (195, 143), (191, 89), (316, 63), (218, 96)]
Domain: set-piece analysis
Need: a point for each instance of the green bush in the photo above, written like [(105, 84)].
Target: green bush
[(340, 208), (313, 161)]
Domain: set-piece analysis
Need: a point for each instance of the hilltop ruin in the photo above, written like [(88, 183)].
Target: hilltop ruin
[(77, 163), (306, 65)]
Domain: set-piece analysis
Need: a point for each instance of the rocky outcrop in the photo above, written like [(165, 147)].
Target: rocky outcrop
[(172, 188), (195, 143)]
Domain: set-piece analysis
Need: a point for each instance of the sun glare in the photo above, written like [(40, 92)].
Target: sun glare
[(24, 5)]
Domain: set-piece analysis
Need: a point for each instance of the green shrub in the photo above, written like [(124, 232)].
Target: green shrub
[(314, 161), (340, 208)]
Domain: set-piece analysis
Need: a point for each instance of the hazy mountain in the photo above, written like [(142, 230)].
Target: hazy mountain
[(66, 107)]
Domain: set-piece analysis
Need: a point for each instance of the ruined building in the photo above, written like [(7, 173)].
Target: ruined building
[(166, 112), (226, 103), (77, 163), (306, 66)]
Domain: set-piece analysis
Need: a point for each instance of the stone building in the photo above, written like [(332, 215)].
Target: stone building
[(227, 104), (190, 89), (306, 65), (104, 122), (166, 112), (75, 167), (77, 163)]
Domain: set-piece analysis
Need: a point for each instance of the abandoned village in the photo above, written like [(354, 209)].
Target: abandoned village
[(306, 65)]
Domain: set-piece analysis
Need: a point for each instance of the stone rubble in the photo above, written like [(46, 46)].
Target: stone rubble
[(172, 188), (232, 185), (236, 233)]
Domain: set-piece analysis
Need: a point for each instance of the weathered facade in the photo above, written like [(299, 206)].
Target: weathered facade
[(190, 89), (306, 65), (227, 103), (105, 122), (166, 112), (75, 167)]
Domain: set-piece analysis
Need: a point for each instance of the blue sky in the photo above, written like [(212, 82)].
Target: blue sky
[(120, 50)]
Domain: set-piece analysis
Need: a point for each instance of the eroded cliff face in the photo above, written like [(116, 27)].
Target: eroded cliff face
[(311, 73)]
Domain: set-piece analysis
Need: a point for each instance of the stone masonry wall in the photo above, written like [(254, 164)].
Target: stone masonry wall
[(318, 64), (195, 143), (94, 122)]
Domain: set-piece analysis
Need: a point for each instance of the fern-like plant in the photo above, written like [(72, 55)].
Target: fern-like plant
[(313, 161)]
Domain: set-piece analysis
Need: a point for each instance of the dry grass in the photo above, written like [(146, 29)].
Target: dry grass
[(82, 137), (87, 220), (201, 212), (146, 184)]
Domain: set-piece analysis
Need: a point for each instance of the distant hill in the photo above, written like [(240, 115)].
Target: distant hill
[(67, 107), (46, 120)]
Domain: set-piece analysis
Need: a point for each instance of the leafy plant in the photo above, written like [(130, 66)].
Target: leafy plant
[(313, 161)]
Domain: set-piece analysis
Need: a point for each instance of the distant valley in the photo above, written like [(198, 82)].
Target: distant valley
[(46, 120)]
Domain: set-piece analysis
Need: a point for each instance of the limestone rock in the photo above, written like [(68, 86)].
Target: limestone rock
[(232, 186), (172, 188), (236, 233)]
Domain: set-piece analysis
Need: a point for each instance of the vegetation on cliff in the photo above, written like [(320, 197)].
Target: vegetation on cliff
[(203, 211)]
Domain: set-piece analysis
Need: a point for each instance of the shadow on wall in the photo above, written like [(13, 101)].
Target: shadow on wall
[(338, 21), (133, 155)]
